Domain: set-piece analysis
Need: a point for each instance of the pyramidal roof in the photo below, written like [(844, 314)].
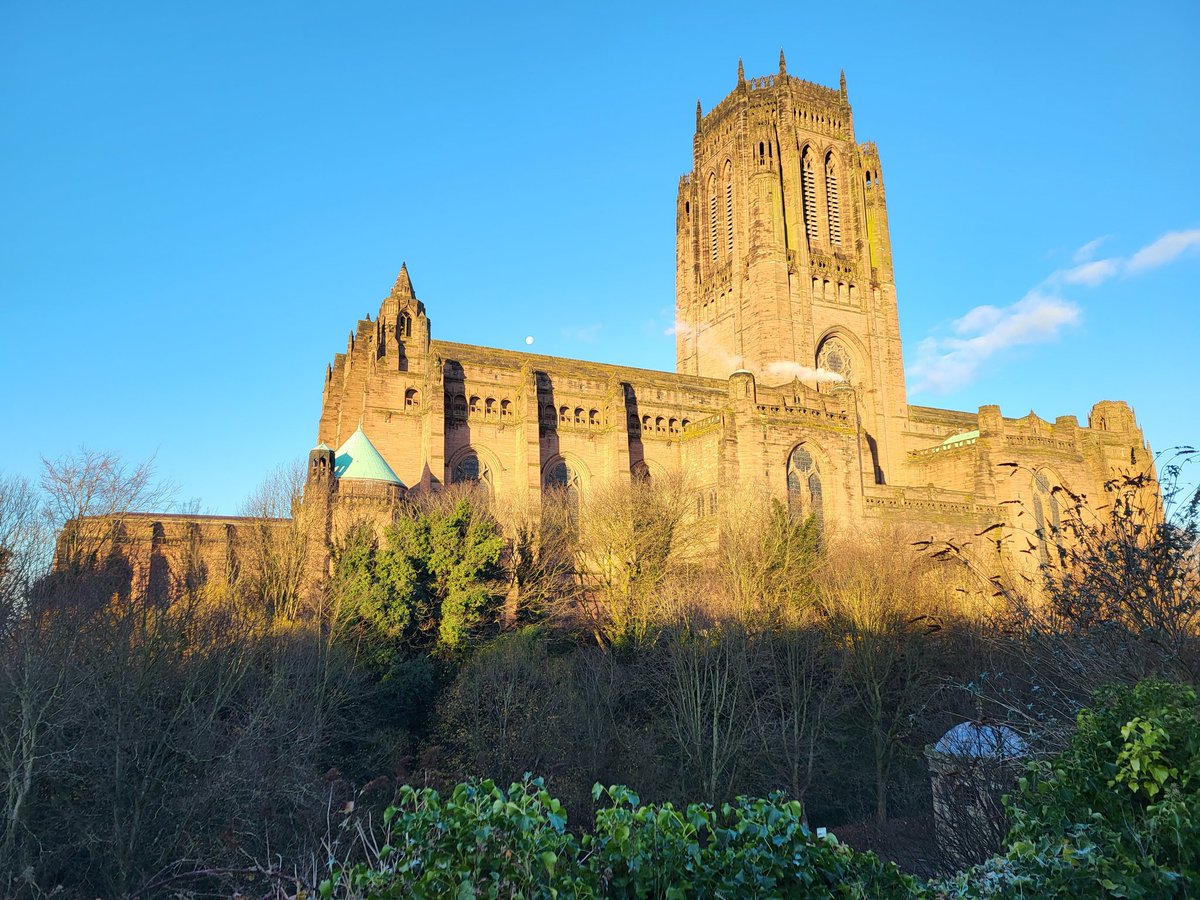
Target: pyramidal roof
[(358, 458)]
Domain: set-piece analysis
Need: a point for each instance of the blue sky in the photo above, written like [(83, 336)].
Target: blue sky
[(197, 204)]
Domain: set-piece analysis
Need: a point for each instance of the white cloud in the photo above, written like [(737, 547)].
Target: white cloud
[(1091, 273), (1166, 249), (1088, 250), (944, 364), (785, 370)]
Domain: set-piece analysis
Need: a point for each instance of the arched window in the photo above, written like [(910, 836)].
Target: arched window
[(635, 424), (659, 424), (673, 426), (470, 469), (489, 407), (646, 423), (729, 207), (460, 406), (712, 215), (560, 478), (1047, 515), (564, 415), (412, 400), (831, 199), (404, 326), (505, 409), (474, 407), (808, 184), (593, 418), (835, 357), (805, 496), (578, 415)]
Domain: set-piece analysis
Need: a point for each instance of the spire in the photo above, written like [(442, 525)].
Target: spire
[(699, 114), (782, 63), (741, 73), (842, 82), (403, 286)]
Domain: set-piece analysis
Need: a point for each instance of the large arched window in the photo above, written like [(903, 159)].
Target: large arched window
[(560, 479), (470, 469), (1047, 515), (729, 207), (831, 200), (808, 185), (805, 495), (404, 326), (712, 216), (834, 356)]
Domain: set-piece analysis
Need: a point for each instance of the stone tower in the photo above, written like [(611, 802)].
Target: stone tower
[(783, 261)]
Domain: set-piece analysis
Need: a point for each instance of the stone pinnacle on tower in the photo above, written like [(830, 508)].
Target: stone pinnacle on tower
[(699, 114), (842, 82), (403, 286), (741, 74), (782, 63)]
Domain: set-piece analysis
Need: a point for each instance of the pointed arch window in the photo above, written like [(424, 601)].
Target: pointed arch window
[(729, 210), (805, 494), (831, 198), (560, 478), (1047, 516), (404, 326), (712, 216), (808, 185), (835, 357), (471, 470)]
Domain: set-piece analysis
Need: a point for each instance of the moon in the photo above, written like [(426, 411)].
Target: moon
[(529, 339)]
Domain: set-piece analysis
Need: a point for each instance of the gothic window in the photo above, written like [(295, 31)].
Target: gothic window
[(474, 407), (471, 470), (564, 415), (808, 182), (460, 406), (712, 215), (673, 426), (685, 423), (593, 418), (831, 198), (1047, 515), (489, 407), (729, 209), (805, 496), (505, 409), (412, 400), (404, 326), (835, 357), (658, 424), (561, 478), (578, 416), (645, 423), (712, 503)]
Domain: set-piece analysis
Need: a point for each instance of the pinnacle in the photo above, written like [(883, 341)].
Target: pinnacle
[(403, 286), (782, 63), (741, 72)]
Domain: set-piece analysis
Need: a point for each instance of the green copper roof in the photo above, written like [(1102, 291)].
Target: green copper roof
[(358, 458), (959, 438), (322, 446)]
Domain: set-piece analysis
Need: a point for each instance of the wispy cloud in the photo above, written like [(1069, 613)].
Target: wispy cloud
[(944, 364), (1088, 250), (583, 334), (1166, 249)]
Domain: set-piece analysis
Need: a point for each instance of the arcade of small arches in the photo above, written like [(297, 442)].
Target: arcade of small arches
[(460, 408)]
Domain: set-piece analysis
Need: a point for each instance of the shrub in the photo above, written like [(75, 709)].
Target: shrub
[(482, 841)]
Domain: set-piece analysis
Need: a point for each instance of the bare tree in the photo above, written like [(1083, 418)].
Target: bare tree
[(873, 591), (275, 542), (633, 536)]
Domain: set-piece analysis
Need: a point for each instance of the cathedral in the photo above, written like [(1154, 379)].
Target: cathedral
[(789, 379), (789, 376)]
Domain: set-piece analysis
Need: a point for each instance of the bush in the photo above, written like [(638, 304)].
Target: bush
[(1116, 814), (482, 841)]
